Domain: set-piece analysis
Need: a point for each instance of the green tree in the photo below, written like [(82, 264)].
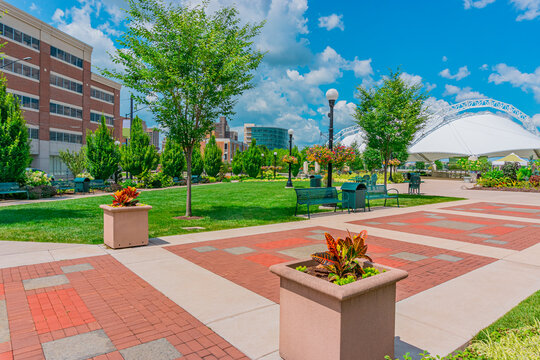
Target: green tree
[(14, 144), (102, 154), (75, 161), (197, 162), (390, 114), (237, 163), (372, 159), (357, 163), (212, 157), (194, 61), (420, 165), (295, 168), (172, 158), (139, 156), (252, 160)]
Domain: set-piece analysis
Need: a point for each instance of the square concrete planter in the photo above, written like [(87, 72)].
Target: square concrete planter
[(320, 320), (125, 226)]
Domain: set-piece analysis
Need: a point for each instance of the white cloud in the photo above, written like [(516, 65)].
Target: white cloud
[(432, 104), (536, 120), (530, 8), (109, 30), (361, 68), (58, 15), (33, 7), (444, 59), (413, 80), (343, 113), (294, 75), (479, 4), (484, 67), (461, 94), (331, 22), (526, 81), (462, 73)]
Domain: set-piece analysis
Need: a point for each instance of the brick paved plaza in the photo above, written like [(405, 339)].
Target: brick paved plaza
[(211, 296)]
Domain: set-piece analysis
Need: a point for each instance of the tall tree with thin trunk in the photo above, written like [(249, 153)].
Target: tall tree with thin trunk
[(194, 63), (391, 114)]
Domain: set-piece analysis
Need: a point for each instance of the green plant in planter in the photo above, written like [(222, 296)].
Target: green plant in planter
[(301, 268), (341, 258)]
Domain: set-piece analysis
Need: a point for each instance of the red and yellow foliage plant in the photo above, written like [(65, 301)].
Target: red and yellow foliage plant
[(125, 197)]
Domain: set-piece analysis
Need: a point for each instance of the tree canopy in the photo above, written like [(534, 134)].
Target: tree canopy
[(193, 62)]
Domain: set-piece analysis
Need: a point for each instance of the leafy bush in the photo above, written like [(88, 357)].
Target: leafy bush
[(129, 183), (398, 178), (138, 156), (439, 165), (197, 164), (341, 257), (420, 165), (85, 175), (102, 155), (237, 163), (75, 161), (493, 174), (252, 160), (125, 197), (156, 180), (535, 180), (212, 157), (510, 170), (524, 173), (172, 159), (37, 178), (41, 192)]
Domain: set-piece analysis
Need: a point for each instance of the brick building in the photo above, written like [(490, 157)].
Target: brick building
[(50, 72), (226, 139)]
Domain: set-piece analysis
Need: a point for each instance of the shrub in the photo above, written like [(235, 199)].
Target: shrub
[(172, 159), (372, 159), (129, 183), (41, 192), (535, 180), (138, 156), (156, 180), (102, 154), (197, 164), (493, 174), (237, 163), (125, 197), (212, 157), (85, 175), (75, 161), (37, 178), (524, 173), (439, 165), (398, 178), (510, 170), (420, 165), (252, 160)]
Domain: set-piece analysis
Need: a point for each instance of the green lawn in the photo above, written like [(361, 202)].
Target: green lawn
[(222, 206)]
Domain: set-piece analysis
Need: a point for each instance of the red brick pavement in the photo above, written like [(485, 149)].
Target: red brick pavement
[(254, 275), (419, 223), (489, 208), (110, 297)]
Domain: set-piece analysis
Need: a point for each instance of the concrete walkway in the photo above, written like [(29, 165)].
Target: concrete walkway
[(440, 319)]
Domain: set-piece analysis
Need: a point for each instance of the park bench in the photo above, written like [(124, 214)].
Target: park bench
[(380, 192), (316, 196), (195, 179), (63, 185), (12, 188), (98, 184)]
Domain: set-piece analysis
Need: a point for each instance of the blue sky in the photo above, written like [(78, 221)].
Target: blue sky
[(458, 49)]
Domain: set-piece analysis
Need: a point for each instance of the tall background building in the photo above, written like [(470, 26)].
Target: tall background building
[(50, 73), (271, 137), (226, 140)]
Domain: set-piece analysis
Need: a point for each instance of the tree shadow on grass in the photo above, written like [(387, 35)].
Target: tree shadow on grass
[(22, 215)]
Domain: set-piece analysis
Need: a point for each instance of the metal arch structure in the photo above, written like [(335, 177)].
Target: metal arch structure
[(450, 113)]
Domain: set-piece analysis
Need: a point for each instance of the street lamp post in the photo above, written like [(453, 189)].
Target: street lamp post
[(331, 96), (275, 155), (262, 171), (289, 182), (14, 61)]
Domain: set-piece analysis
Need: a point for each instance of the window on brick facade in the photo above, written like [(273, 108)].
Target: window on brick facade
[(65, 110), (33, 133), (67, 57), (19, 36)]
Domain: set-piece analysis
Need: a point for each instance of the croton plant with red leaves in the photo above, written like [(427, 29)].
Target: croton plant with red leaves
[(125, 197)]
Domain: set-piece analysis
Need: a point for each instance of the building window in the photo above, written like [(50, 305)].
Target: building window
[(98, 94), (19, 68), (66, 83), (27, 102), (225, 146), (96, 118), (19, 36), (57, 167), (65, 111), (65, 137), (67, 57), (33, 133)]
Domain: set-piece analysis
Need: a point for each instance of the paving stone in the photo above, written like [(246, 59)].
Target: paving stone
[(458, 209), (458, 225), (75, 268), (158, 349), (439, 217), (77, 347), (319, 231), (409, 256), (515, 226), (239, 250), (373, 223), (203, 249), (397, 223), (495, 204), (317, 237), (522, 210), (477, 209), (47, 281), (447, 257), (538, 226), (498, 242), (303, 252), (4, 325), (485, 236)]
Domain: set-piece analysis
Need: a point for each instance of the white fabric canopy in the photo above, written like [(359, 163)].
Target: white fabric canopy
[(480, 134), (510, 158)]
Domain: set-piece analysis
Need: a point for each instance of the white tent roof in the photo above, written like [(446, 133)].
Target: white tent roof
[(357, 138), (480, 134), (510, 158)]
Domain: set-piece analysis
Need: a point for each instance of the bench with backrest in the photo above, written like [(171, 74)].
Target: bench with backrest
[(316, 196), (63, 185), (12, 188), (381, 192), (98, 184)]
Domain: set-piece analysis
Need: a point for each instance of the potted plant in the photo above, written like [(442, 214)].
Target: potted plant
[(337, 305), (125, 222)]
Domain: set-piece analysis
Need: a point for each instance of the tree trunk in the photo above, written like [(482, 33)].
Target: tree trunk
[(189, 153), (386, 159)]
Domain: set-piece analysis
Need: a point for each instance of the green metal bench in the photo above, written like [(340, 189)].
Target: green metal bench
[(316, 196), (63, 185), (380, 192), (195, 179), (98, 184), (12, 188), (414, 184)]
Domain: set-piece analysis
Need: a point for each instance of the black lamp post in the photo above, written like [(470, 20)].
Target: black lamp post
[(275, 155), (331, 96), (289, 182), (14, 61), (262, 170)]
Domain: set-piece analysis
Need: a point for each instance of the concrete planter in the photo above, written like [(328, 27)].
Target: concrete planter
[(322, 320), (125, 226)]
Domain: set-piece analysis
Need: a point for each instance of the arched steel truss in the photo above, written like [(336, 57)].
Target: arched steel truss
[(452, 112)]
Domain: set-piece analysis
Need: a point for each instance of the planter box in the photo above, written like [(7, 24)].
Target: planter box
[(322, 320), (125, 226)]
